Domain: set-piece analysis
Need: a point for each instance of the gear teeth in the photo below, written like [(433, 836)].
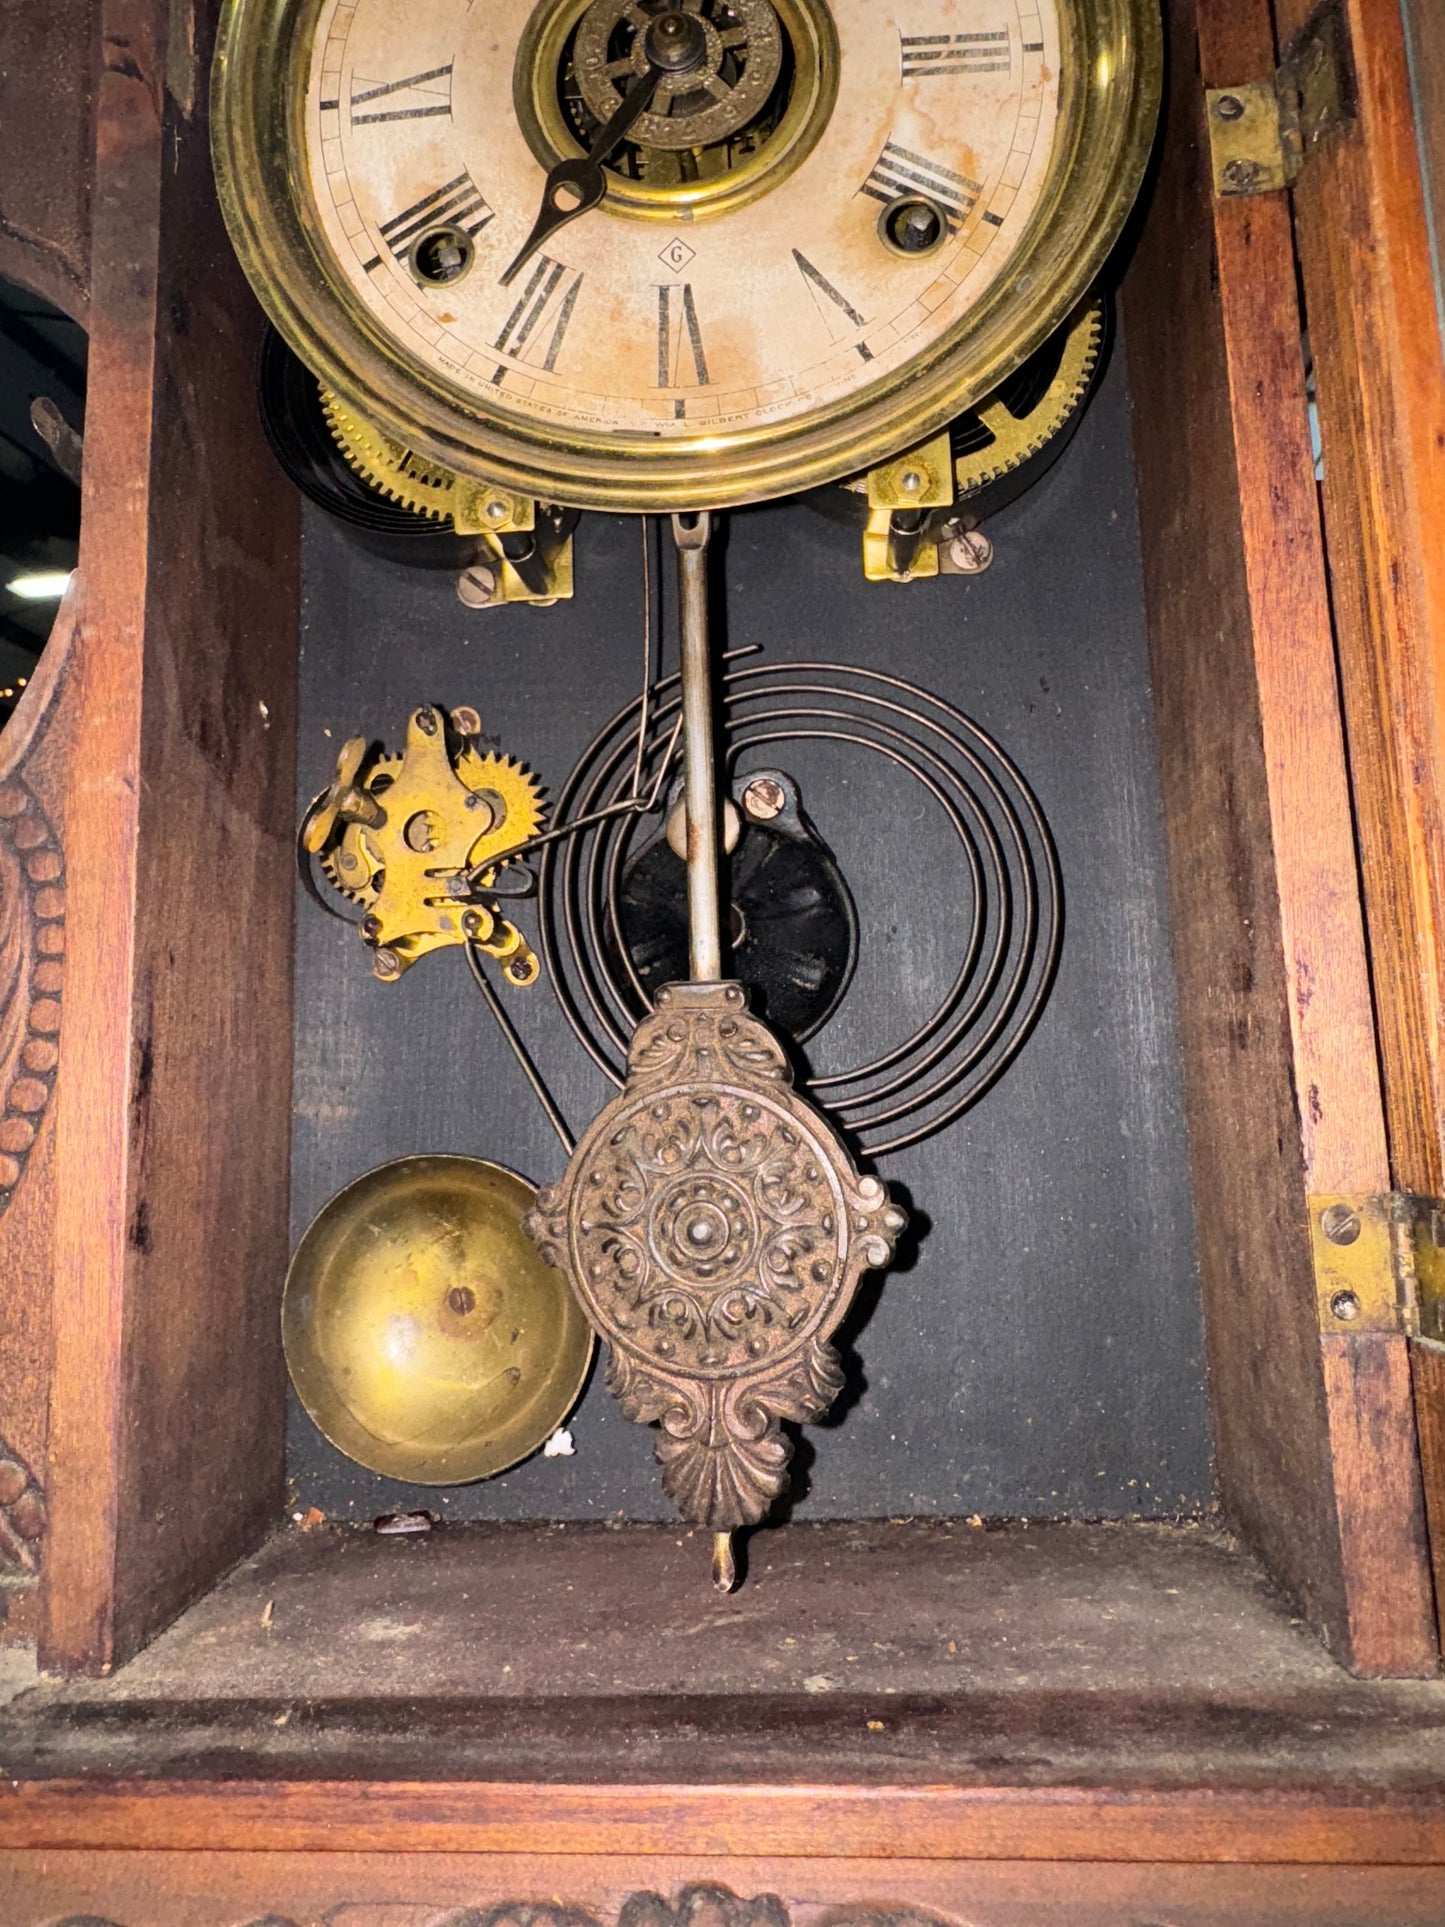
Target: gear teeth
[(329, 870), (392, 469), (519, 789), (1030, 433)]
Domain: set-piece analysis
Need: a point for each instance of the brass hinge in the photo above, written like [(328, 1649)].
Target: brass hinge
[(1379, 1262), (1261, 133)]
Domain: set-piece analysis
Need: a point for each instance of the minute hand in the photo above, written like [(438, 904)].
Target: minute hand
[(583, 177)]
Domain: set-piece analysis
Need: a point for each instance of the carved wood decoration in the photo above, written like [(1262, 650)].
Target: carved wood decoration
[(37, 746), (715, 1230), (22, 1519), (32, 947), (697, 1906)]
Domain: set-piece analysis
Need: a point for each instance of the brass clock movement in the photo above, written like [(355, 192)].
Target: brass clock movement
[(673, 256)]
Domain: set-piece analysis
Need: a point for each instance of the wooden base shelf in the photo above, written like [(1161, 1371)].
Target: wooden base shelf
[(920, 1690)]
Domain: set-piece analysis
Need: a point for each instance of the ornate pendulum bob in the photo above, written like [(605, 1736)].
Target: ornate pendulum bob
[(715, 1229)]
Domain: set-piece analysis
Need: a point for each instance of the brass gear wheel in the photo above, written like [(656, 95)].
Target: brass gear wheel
[(513, 791), (404, 477), (1016, 421), (352, 864)]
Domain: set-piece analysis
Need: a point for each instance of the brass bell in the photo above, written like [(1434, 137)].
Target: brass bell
[(424, 1334)]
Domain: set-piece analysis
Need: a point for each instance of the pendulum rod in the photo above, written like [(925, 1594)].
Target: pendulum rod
[(691, 533), (714, 1195)]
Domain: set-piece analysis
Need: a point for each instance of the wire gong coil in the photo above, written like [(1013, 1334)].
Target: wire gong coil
[(1007, 884)]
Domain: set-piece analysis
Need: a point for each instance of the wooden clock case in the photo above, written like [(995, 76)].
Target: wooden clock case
[(1153, 1739)]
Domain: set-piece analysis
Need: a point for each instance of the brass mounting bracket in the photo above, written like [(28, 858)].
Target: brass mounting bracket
[(1379, 1263), (900, 543), (523, 556), (1261, 133)]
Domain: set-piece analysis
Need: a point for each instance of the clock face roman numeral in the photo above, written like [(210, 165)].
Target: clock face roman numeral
[(899, 172), (954, 53), (835, 310), (681, 362), (537, 325), (458, 204), (418, 97)]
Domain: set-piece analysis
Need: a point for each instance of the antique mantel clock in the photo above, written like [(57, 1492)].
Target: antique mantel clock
[(658, 257)]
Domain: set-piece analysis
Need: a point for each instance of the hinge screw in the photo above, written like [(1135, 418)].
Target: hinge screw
[(1341, 1226), (1345, 1306), (1229, 107)]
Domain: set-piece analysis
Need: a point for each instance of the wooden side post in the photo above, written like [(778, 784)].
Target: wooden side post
[(1316, 1438), (48, 60), (173, 1109), (1366, 266)]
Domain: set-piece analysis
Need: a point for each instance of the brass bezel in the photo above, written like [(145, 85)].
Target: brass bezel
[(1112, 70)]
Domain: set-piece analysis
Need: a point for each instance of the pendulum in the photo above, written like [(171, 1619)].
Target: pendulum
[(711, 1221)]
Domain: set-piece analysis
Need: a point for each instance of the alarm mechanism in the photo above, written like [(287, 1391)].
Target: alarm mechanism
[(425, 843)]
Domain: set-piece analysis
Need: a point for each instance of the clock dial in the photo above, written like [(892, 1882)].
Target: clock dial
[(812, 290), (832, 225)]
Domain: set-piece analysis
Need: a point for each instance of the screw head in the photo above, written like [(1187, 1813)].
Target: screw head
[(910, 482), (1242, 174), (1229, 107), (371, 926), (1340, 1224), (471, 924), (970, 552), (426, 721), (466, 721), (495, 511), (764, 798), (477, 586), (386, 965), (1345, 1306)]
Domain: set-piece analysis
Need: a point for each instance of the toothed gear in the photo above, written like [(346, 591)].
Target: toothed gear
[(361, 889), (350, 865), (515, 788), (1016, 438), (390, 467)]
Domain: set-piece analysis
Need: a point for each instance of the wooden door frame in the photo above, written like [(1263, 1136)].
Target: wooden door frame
[(1362, 233)]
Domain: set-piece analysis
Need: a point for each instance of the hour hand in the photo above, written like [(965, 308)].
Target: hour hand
[(574, 186)]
